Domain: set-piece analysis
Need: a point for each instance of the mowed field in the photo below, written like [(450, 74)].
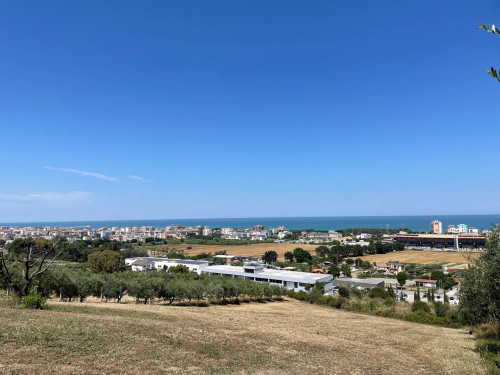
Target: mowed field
[(287, 337), (255, 250), (452, 258)]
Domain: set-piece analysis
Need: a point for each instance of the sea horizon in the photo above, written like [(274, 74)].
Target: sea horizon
[(413, 222)]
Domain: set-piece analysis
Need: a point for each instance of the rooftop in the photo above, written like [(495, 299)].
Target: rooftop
[(373, 281), (270, 273)]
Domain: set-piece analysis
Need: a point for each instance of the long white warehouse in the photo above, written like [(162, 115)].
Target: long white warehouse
[(288, 279), (160, 263)]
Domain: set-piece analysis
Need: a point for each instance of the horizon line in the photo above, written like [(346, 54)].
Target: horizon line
[(239, 218)]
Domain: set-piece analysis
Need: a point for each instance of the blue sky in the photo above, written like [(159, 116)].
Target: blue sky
[(193, 109)]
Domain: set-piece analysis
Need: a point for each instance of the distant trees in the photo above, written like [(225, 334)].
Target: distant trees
[(334, 270), (180, 268), (106, 261), (346, 270), (344, 291), (289, 256), (322, 251), (479, 291), (402, 277), (270, 257), (69, 283), (446, 281), (27, 260), (301, 255)]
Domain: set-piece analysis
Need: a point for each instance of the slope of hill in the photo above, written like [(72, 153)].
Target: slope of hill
[(287, 337)]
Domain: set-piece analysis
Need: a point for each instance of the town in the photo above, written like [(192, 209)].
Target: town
[(455, 237)]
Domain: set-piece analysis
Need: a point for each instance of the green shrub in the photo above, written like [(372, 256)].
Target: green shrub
[(314, 296), (337, 302), (358, 292), (453, 313), (389, 301), (427, 318), (487, 331), (300, 295), (34, 301), (344, 291), (420, 306), (372, 305), (378, 293), (440, 308), (488, 345)]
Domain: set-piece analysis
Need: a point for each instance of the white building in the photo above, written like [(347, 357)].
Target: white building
[(159, 264), (140, 265), (192, 265), (288, 279), (105, 233), (436, 227)]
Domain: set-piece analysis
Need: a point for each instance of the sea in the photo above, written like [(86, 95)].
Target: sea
[(415, 223)]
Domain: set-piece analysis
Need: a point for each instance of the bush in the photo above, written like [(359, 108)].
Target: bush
[(336, 302), (300, 295), (487, 331), (358, 292), (344, 291), (314, 296), (389, 301), (378, 293), (35, 301), (427, 318), (441, 309), (420, 306), (488, 345)]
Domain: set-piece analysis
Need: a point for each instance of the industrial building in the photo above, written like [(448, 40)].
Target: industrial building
[(359, 283), (292, 280), (160, 263)]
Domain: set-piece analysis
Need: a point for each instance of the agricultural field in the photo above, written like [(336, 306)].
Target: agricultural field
[(451, 259), (255, 250), (287, 337)]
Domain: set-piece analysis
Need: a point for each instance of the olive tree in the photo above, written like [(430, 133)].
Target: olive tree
[(479, 291), (26, 261)]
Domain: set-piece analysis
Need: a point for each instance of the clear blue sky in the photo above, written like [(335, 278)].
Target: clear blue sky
[(187, 109)]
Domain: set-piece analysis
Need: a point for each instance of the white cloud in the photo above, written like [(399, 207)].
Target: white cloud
[(85, 173), (138, 178), (45, 197)]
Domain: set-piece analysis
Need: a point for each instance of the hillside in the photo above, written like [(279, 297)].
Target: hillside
[(287, 337)]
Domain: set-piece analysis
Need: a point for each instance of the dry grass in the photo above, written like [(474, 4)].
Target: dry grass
[(287, 337), (451, 258), (254, 250)]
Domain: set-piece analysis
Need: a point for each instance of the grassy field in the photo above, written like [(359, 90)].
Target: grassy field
[(288, 337), (453, 259), (255, 250), (450, 258)]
